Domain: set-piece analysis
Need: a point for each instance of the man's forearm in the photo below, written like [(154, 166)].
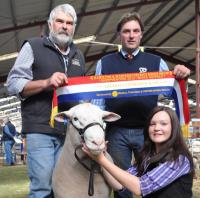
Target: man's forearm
[(34, 87)]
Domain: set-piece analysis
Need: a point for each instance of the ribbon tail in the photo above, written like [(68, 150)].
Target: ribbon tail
[(186, 111), (182, 106), (185, 101), (54, 109)]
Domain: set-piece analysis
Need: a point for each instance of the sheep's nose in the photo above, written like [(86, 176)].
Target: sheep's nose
[(98, 142)]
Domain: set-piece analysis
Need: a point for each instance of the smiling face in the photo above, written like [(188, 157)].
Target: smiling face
[(130, 35), (62, 29), (160, 128)]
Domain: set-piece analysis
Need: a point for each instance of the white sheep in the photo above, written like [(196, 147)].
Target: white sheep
[(70, 177)]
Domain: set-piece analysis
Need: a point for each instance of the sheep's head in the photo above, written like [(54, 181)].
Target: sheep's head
[(89, 120)]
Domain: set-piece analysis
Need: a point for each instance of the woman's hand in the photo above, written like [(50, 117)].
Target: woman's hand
[(96, 158), (102, 158)]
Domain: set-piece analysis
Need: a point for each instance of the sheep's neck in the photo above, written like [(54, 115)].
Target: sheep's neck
[(85, 161)]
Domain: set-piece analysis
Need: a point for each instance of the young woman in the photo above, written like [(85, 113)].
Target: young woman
[(165, 167)]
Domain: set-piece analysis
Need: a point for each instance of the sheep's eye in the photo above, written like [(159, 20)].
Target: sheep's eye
[(75, 118)]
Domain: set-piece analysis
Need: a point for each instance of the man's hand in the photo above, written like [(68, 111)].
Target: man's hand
[(181, 71), (57, 79), (36, 86)]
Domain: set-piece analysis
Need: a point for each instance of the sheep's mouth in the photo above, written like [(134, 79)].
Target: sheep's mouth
[(96, 151), (93, 147)]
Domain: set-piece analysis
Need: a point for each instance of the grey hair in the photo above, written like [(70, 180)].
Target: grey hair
[(67, 9), (6, 119)]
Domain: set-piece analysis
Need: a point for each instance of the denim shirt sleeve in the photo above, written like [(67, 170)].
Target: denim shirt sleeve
[(163, 66), (99, 102), (21, 72), (98, 68)]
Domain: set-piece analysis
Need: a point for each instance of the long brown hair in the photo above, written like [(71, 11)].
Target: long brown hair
[(170, 150)]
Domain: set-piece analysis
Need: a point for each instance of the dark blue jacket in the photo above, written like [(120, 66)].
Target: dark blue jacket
[(12, 132)]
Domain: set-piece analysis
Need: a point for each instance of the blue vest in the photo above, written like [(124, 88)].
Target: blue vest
[(133, 110)]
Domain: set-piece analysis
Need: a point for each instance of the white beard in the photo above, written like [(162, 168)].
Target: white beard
[(61, 39)]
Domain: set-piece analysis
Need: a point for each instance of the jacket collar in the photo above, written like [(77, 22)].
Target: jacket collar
[(48, 43)]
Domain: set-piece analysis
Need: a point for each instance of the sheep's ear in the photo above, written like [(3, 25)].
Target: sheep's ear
[(110, 116), (62, 116)]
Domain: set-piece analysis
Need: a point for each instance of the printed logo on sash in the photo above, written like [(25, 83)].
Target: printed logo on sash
[(142, 69)]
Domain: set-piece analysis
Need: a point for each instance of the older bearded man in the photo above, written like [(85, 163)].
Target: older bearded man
[(42, 64)]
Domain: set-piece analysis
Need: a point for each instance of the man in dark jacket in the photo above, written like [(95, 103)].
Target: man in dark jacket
[(9, 132), (44, 64)]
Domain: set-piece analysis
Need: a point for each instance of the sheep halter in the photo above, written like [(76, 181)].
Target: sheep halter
[(94, 167), (82, 131)]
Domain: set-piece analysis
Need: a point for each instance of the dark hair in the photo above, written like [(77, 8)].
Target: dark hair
[(129, 17), (171, 149)]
